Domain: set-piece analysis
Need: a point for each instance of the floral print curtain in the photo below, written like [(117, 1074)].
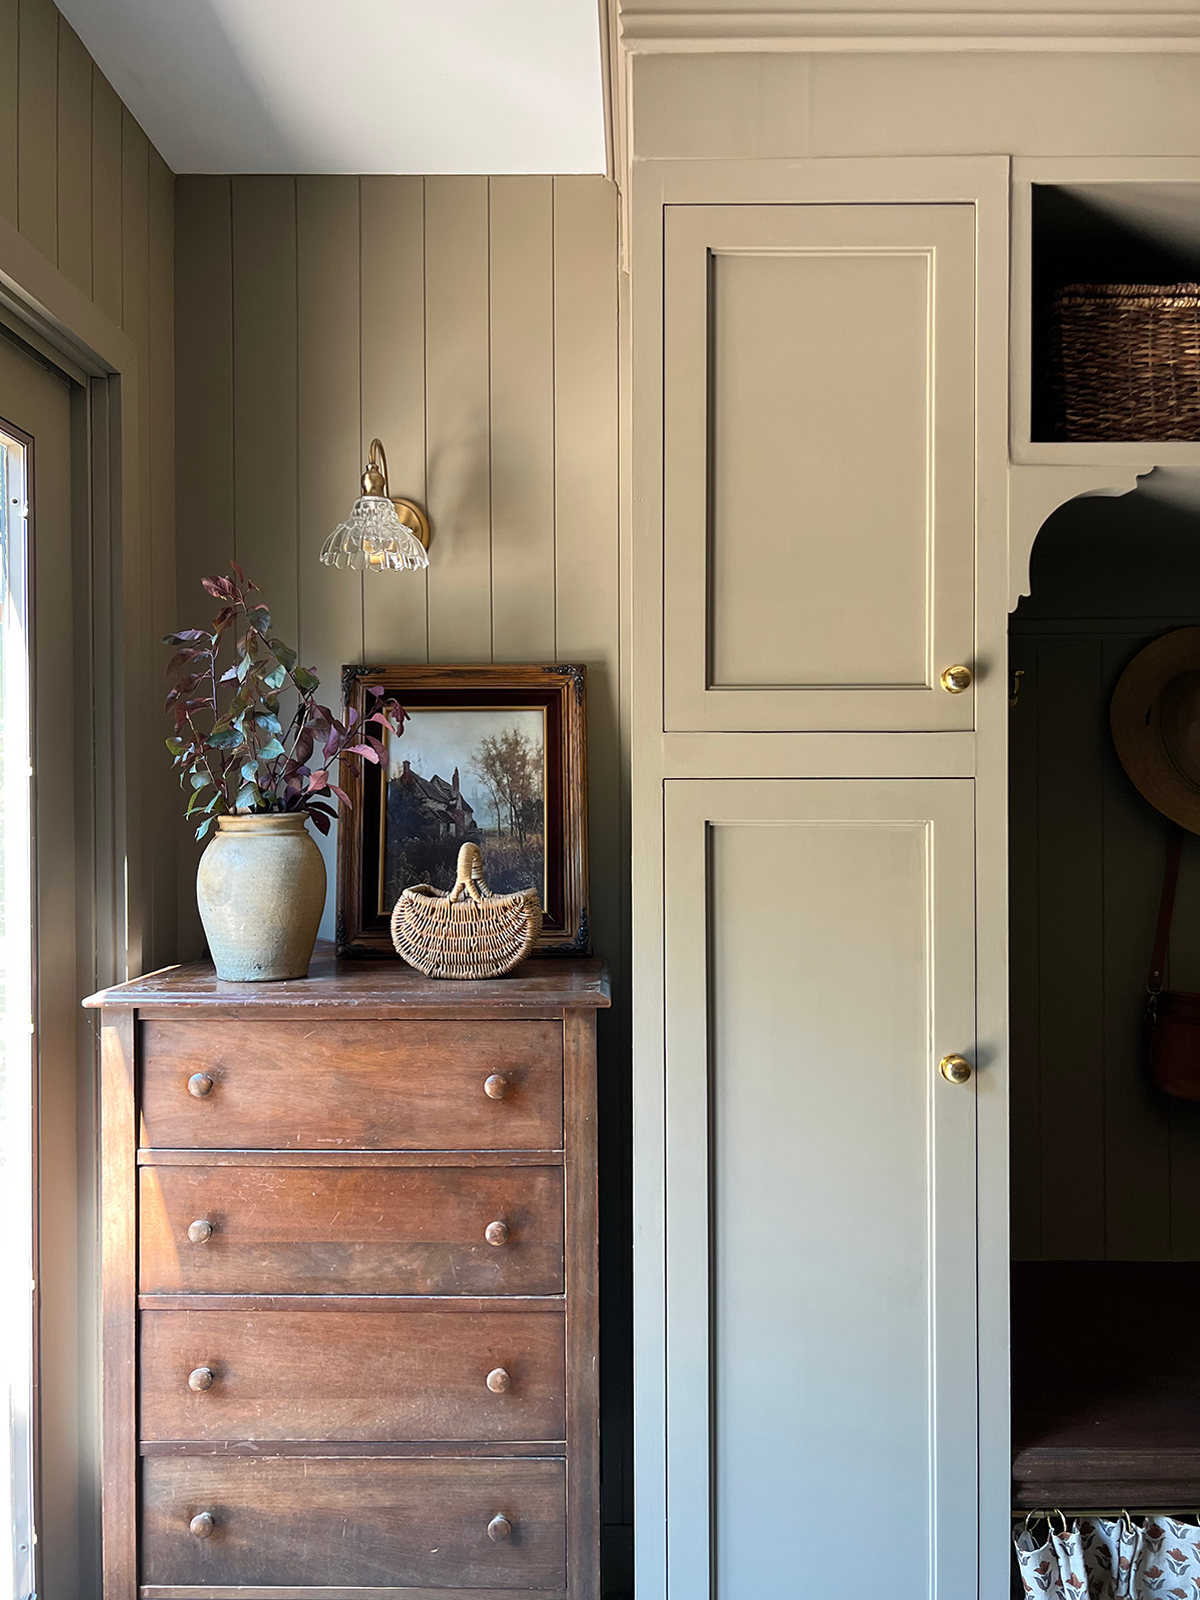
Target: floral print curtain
[(1144, 1558)]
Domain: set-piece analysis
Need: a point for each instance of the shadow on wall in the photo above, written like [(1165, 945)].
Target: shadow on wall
[(1104, 1167)]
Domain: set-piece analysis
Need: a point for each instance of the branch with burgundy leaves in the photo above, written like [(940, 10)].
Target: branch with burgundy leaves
[(243, 755)]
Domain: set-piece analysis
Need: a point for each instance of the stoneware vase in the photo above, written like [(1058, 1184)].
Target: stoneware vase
[(261, 891)]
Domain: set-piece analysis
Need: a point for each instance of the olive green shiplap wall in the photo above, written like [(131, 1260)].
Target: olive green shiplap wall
[(84, 186), (81, 181), (470, 323), (1104, 1167)]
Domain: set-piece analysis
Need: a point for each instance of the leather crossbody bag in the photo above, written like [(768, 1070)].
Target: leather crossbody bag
[(1173, 1014)]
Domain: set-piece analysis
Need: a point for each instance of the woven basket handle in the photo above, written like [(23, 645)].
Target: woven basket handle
[(470, 874)]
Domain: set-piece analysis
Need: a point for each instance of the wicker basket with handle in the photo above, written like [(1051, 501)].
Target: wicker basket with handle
[(1128, 360), (470, 932)]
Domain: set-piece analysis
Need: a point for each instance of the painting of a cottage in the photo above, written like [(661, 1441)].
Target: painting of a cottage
[(458, 775)]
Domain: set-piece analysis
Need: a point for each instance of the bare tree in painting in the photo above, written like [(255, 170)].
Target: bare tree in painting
[(508, 765)]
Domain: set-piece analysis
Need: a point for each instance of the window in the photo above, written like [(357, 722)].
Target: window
[(17, 1091)]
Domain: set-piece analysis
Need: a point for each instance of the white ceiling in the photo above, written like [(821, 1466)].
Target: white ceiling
[(356, 85)]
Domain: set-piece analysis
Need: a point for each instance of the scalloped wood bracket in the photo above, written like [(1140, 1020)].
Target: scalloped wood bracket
[(1035, 492)]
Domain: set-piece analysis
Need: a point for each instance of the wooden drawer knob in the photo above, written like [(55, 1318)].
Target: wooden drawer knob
[(496, 1233), (499, 1529), (200, 1380), (202, 1525), (200, 1085), (200, 1232), (498, 1381), (495, 1087)]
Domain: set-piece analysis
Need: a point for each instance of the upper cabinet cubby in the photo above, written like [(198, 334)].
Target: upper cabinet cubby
[(1100, 228)]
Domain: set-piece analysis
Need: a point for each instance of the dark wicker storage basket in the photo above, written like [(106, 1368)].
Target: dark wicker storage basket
[(1128, 360)]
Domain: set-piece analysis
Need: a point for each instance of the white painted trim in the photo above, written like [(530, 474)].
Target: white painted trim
[(666, 32)]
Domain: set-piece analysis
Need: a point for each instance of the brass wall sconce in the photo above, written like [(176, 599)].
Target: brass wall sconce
[(382, 533)]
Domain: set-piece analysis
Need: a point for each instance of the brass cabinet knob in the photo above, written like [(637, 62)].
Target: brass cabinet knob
[(200, 1232), (495, 1087), (496, 1233), (200, 1085), (499, 1529), (498, 1381), (956, 679), (202, 1525), (955, 1069), (200, 1380)]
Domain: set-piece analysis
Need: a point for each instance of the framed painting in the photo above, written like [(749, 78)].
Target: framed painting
[(492, 754)]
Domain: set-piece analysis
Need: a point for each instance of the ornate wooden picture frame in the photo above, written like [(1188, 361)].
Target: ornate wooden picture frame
[(513, 742)]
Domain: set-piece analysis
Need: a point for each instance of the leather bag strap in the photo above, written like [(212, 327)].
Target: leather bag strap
[(1166, 907)]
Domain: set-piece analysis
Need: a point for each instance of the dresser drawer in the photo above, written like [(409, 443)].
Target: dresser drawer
[(353, 1375), (351, 1230), (324, 1523), (351, 1085)]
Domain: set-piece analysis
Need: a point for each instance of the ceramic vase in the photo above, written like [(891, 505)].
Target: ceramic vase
[(261, 890)]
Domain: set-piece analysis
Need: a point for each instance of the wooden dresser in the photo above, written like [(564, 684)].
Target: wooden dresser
[(349, 1294)]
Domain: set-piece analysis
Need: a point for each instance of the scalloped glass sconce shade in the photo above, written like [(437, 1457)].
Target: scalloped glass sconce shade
[(373, 539)]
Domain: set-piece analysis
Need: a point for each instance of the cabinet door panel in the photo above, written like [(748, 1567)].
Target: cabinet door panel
[(820, 1188), (819, 466)]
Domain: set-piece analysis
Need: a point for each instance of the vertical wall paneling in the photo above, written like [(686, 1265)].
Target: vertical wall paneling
[(264, 391), (1070, 766), (160, 446), (106, 196), (1104, 1166), (587, 621), (1183, 1153), (521, 305), (588, 607), (456, 402), (8, 109), (327, 243), (395, 624), (1024, 956), (81, 183), (143, 659), (74, 158), (491, 355), (203, 431), (37, 132), (204, 387), (1137, 1211)]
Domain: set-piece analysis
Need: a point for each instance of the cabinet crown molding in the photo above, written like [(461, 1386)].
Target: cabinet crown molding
[(662, 32)]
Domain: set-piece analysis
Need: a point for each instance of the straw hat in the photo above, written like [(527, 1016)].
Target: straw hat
[(1155, 718)]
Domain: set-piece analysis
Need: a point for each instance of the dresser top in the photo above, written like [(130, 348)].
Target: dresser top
[(541, 986)]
